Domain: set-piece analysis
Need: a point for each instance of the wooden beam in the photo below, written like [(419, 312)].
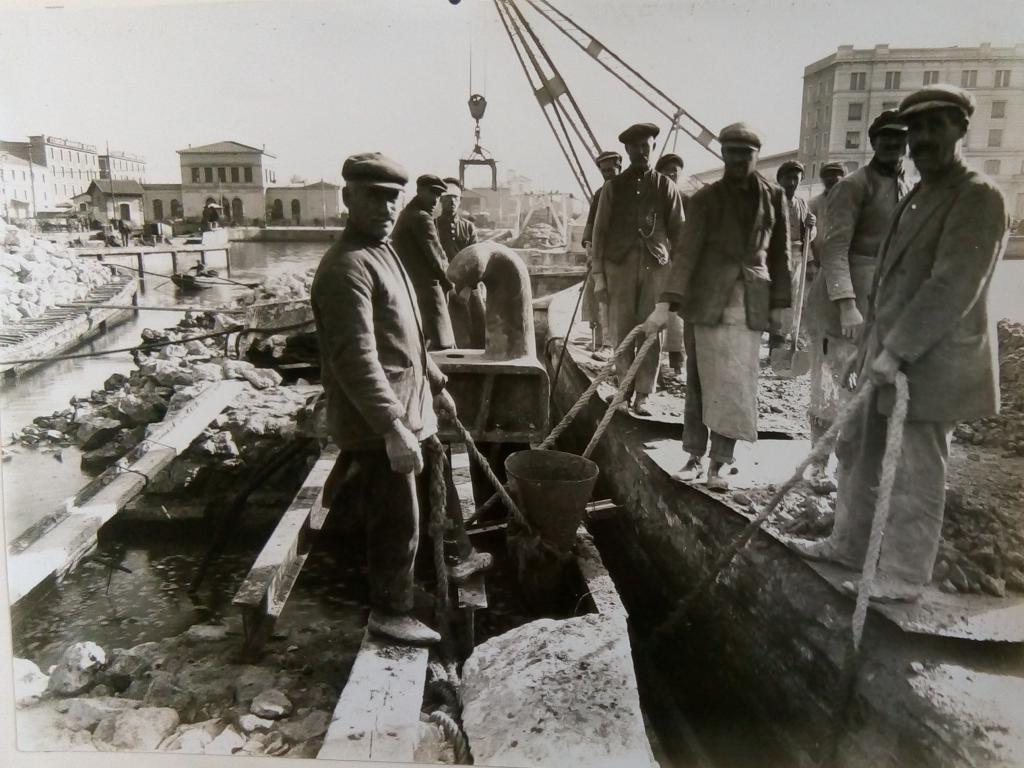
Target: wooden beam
[(378, 714), (55, 546)]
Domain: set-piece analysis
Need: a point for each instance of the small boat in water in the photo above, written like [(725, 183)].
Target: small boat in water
[(192, 282)]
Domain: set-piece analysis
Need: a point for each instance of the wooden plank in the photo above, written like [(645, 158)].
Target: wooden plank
[(599, 583), (324, 465), (378, 714), (54, 549), (473, 594)]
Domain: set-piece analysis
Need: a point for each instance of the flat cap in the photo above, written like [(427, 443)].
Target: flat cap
[(608, 155), (740, 135), (453, 186), (889, 120), (938, 96), (669, 158), (639, 132), (431, 181), (375, 170), (834, 167), (788, 167)]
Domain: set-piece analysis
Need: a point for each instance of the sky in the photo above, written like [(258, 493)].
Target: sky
[(315, 81)]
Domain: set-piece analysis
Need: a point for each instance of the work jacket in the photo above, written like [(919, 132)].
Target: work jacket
[(374, 363), (455, 233), (929, 301), (723, 243)]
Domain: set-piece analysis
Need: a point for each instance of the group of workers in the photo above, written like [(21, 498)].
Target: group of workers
[(901, 283)]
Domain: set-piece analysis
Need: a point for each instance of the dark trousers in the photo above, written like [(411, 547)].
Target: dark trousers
[(695, 432)]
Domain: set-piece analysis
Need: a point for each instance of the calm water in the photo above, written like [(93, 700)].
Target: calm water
[(34, 483)]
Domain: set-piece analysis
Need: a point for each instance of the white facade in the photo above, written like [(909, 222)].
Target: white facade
[(24, 187), (229, 173), (123, 166)]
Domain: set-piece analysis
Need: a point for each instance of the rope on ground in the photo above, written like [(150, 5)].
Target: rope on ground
[(603, 375), (455, 736), (137, 348), (818, 453), (890, 463)]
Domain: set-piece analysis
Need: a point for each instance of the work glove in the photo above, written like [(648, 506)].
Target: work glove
[(403, 449), (658, 319)]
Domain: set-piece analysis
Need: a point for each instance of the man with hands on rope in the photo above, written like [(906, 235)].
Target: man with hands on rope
[(382, 389), (927, 318)]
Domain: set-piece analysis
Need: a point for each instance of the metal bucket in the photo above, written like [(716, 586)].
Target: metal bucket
[(552, 489)]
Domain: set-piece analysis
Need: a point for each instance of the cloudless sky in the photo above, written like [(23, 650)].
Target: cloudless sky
[(316, 81)]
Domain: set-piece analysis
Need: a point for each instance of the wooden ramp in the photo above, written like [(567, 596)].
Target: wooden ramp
[(378, 714), (54, 546), (266, 588)]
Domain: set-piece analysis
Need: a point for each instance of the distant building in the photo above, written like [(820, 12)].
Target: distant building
[(105, 200), (844, 91), (24, 187), (162, 202), (232, 174), (304, 204), (123, 166)]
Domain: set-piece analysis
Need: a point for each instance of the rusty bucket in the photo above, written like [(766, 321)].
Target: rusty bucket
[(552, 489)]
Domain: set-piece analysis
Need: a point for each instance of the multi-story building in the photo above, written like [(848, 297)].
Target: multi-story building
[(232, 174), (72, 165), (312, 204), (24, 187), (123, 166), (844, 91)]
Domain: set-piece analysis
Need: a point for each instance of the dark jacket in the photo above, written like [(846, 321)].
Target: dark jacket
[(455, 233), (374, 364), (417, 244), (929, 302), (588, 228), (717, 249)]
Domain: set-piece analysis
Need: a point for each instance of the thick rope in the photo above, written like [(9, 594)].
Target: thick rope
[(453, 733), (621, 395), (438, 496), (818, 453)]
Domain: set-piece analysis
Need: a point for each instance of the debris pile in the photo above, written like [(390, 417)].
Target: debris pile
[(189, 694), (539, 235), (1005, 431), (35, 274), (293, 285)]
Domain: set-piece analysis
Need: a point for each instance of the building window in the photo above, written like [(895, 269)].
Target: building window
[(195, 176), (208, 175), (995, 137), (234, 174), (998, 109), (222, 174), (855, 111), (853, 139), (1002, 78), (890, 104), (969, 78), (247, 175), (992, 167), (858, 81), (892, 80)]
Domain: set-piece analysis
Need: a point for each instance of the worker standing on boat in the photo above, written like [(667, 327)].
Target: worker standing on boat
[(610, 165), (638, 225), (456, 232), (382, 387), (859, 210), (927, 317), (671, 165), (801, 229), (730, 282), (418, 246)]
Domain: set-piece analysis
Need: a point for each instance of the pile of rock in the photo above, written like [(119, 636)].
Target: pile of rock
[(293, 285), (1005, 431), (187, 694), (36, 274), (539, 235)]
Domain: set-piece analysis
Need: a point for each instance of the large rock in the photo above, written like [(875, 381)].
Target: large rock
[(134, 410), (555, 693), (309, 727), (139, 730), (194, 737), (271, 704), (85, 714), (250, 681), (95, 430), (29, 683), (128, 665), (77, 670), (163, 692)]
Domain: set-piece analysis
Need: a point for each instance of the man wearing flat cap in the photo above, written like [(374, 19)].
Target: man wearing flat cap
[(927, 318), (730, 282), (638, 226), (671, 165), (382, 387), (829, 174), (418, 246), (859, 209), (456, 232), (801, 228), (609, 164)]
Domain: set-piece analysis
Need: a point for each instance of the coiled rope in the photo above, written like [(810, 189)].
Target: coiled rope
[(453, 733)]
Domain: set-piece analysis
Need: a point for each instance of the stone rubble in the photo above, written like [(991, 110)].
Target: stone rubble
[(35, 274)]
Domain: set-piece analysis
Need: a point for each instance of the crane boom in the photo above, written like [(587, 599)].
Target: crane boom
[(681, 120)]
